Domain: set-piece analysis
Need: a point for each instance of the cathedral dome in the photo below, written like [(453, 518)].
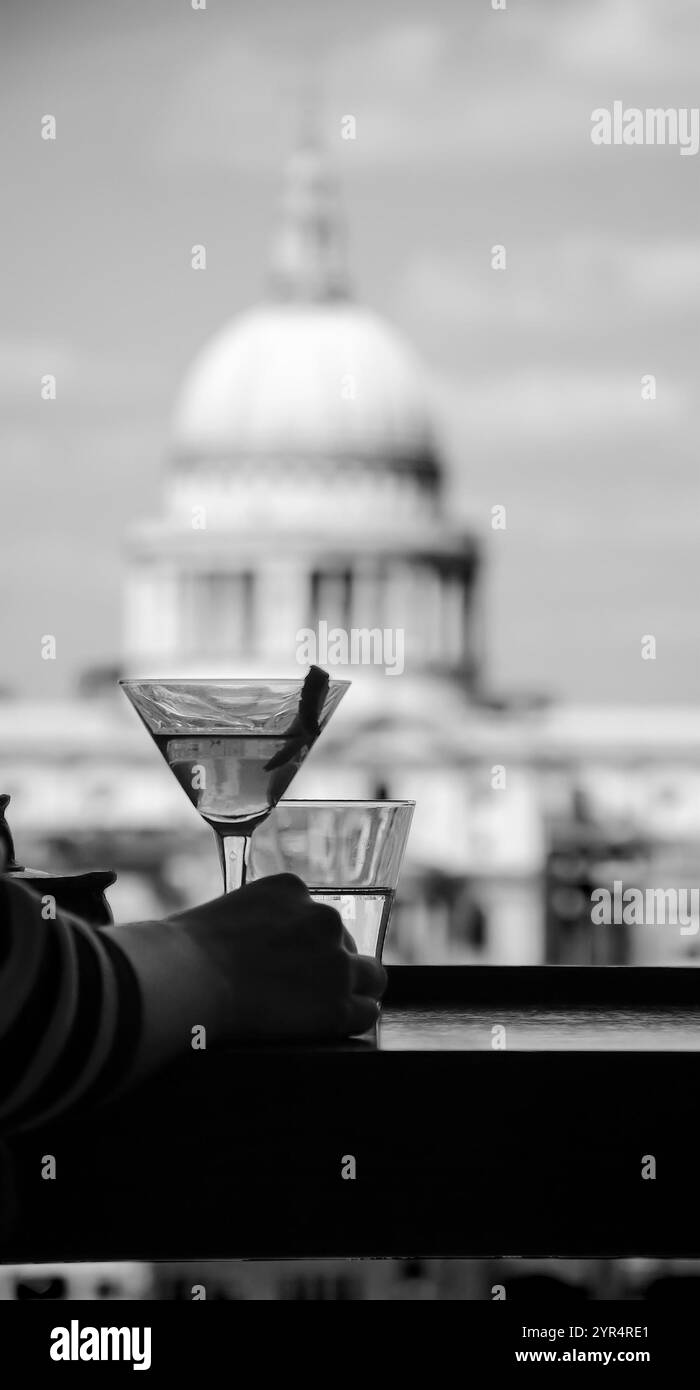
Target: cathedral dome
[(297, 378), (308, 375)]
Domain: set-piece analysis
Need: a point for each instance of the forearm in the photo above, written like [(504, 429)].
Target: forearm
[(69, 1011), (175, 993), (85, 1014)]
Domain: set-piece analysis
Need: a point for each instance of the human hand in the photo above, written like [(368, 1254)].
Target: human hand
[(265, 962), (281, 965)]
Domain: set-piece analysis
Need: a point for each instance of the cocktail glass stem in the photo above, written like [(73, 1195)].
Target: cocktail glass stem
[(233, 851)]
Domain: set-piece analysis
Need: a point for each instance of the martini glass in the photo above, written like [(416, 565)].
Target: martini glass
[(235, 745)]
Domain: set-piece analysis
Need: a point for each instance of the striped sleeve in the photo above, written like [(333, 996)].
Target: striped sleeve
[(70, 1012)]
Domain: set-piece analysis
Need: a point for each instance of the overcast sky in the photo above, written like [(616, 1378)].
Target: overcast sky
[(473, 128)]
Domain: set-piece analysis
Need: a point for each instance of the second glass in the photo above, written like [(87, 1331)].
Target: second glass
[(348, 853)]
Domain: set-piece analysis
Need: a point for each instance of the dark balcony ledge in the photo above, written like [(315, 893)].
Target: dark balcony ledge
[(544, 986), (459, 1151)]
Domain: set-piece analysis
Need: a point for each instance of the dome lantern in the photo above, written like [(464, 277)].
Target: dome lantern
[(308, 262)]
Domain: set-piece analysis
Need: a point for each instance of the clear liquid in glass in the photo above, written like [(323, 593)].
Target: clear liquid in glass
[(365, 913), (226, 776)]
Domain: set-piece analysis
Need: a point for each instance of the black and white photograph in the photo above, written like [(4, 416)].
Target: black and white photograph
[(350, 688)]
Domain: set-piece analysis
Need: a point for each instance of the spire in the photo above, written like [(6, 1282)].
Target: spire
[(307, 261)]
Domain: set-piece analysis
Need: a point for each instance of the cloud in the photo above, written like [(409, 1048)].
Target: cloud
[(230, 109), (550, 403), (464, 83), (426, 97), (92, 378), (663, 275), (514, 85), (637, 40), (568, 287), (25, 359), (421, 91)]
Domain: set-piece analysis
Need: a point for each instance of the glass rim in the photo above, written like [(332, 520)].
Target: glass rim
[(341, 801), (221, 680)]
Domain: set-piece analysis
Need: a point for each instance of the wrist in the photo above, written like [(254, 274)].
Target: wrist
[(176, 994)]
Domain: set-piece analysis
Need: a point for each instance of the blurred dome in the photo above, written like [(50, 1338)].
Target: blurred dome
[(305, 378)]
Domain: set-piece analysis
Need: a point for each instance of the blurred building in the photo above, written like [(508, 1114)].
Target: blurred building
[(305, 487), (305, 491), (540, 1281)]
